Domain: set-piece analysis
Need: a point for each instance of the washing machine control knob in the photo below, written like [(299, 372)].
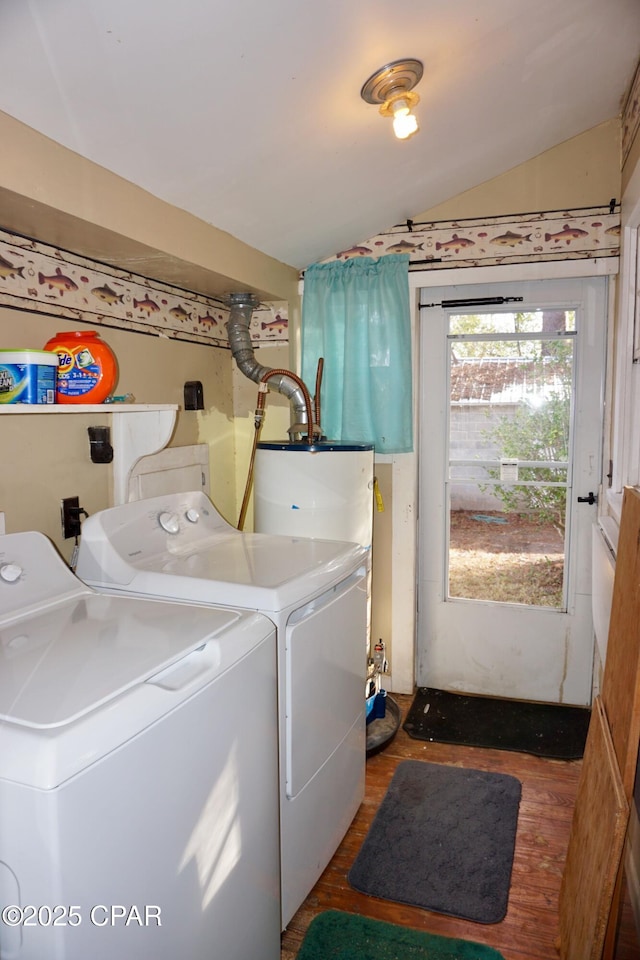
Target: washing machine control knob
[(10, 572), (169, 522), (192, 515)]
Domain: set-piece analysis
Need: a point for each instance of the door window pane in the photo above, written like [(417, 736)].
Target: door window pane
[(510, 409), (548, 322)]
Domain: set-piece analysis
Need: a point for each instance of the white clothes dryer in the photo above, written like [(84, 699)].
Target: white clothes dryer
[(129, 772), (315, 592)]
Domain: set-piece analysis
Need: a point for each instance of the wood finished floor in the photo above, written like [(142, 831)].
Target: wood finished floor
[(530, 927)]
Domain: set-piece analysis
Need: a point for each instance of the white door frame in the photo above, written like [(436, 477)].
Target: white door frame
[(402, 647), (503, 649)]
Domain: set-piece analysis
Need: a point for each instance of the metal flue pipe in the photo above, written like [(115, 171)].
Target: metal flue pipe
[(241, 309)]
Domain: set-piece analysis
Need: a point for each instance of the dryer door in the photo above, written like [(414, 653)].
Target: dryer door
[(326, 663)]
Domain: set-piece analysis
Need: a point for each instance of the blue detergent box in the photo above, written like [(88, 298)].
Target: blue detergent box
[(28, 376)]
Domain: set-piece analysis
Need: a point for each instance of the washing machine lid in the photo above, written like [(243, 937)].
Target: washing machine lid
[(82, 674), (178, 546), (67, 659)]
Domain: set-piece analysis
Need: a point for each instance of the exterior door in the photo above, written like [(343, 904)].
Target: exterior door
[(510, 462)]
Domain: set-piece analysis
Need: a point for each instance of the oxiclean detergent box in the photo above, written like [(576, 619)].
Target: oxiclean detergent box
[(28, 376)]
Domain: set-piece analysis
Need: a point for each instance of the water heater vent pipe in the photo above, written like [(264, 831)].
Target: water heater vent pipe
[(241, 309)]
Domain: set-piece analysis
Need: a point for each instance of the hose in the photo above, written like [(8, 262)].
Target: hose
[(318, 387), (257, 423), (249, 484)]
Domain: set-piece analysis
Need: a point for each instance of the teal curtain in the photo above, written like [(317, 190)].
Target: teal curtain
[(355, 314)]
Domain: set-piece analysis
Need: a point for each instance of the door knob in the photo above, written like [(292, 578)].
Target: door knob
[(591, 499)]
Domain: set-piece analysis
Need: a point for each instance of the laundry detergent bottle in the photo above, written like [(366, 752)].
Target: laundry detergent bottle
[(87, 368)]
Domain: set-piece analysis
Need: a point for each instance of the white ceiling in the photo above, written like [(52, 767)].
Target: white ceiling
[(248, 113)]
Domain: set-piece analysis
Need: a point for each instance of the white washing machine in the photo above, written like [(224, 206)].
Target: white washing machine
[(315, 592), (129, 772)]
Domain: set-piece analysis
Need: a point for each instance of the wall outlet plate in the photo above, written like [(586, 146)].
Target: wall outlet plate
[(193, 395), (70, 517)]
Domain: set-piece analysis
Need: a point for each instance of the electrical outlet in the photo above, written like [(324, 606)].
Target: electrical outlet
[(70, 517)]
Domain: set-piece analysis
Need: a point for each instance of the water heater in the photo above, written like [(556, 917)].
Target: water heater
[(322, 490)]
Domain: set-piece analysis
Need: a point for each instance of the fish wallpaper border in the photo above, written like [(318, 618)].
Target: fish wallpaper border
[(587, 232), (44, 279)]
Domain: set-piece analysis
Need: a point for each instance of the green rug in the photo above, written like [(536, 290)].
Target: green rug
[(335, 935)]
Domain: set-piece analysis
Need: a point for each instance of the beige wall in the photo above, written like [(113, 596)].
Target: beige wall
[(581, 172), (381, 554), (51, 194), (45, 457)]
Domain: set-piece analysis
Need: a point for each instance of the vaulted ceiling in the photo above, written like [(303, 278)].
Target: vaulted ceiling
[(248, 114)]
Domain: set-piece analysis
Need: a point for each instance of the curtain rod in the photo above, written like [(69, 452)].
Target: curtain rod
[(412, 224), (478, 302)]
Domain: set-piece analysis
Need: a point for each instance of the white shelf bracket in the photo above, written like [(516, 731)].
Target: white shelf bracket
[(137, 434)]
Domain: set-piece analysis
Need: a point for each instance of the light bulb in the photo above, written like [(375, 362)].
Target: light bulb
[(404, 123)]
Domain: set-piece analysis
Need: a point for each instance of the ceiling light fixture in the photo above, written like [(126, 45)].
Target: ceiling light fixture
[(392, 87)]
